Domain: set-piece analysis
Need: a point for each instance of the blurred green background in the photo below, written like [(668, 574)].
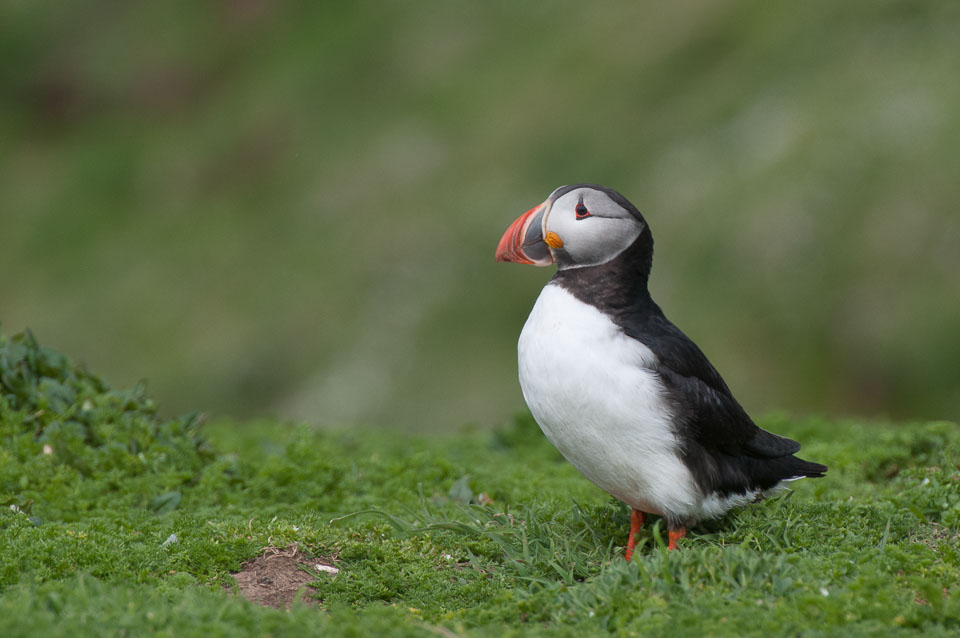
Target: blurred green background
[(291, 209)]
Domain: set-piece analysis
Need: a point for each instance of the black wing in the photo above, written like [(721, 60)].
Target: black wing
[(722, 446), (701, 399)]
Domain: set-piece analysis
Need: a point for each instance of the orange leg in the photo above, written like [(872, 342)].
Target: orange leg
[(637, 518), (675, 535)]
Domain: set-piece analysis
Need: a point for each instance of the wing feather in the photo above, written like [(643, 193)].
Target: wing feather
[(702, 399)]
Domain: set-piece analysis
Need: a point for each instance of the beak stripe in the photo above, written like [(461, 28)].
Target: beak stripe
[(523, 242)]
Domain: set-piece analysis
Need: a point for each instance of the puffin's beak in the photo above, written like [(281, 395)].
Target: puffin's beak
[(523, 242)]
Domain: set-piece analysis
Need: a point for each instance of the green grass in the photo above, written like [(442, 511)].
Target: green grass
[(85, 549)]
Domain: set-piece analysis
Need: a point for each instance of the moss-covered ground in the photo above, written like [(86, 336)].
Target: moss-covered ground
[(116, 522)]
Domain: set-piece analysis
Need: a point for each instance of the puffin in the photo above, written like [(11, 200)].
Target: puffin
[(620, 391)]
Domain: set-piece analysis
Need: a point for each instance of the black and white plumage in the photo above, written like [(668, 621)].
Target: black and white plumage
[(624, 395)]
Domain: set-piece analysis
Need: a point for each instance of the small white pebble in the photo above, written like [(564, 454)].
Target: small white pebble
[(327, 568), (47, 449), (824, 592), (926, 481)]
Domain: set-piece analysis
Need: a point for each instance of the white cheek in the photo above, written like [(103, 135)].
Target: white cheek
[(595, 240)]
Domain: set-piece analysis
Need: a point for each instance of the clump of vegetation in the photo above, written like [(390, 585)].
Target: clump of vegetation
[(65, 432), (119, 522)]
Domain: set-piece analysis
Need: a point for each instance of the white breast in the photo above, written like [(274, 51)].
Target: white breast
[(593, 392)]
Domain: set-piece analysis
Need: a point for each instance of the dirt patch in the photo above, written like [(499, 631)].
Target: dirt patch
[(274, 578)]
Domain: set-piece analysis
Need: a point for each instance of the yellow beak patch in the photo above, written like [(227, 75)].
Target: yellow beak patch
[(553, 240)]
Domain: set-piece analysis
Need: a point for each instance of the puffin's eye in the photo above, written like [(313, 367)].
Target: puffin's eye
[(582, 212)]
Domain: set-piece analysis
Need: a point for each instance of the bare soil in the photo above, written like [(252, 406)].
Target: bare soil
[(274, 578)]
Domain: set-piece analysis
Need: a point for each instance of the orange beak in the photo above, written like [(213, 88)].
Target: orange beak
[(523, 242)]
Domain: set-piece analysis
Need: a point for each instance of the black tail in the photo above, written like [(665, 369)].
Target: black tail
[(768, 473), (727, 474), (798, 468)]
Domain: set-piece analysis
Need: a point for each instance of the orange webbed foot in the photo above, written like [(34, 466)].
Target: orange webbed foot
[(637, 519), (675, 535)]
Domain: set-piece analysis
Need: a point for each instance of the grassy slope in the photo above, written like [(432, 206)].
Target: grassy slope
[(873, 548)]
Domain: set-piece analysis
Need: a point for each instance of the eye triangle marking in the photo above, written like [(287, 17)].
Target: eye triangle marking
[(582, 212)]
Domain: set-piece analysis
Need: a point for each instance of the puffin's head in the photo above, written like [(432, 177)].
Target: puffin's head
[(577, 226)]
